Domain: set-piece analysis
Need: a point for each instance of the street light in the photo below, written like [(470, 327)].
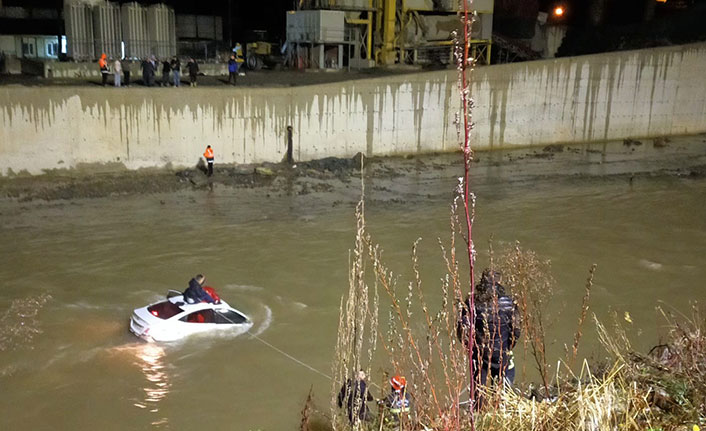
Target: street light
[(559, 11)]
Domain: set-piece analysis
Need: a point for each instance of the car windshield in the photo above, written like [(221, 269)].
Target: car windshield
[(164, 310), (202, 316), (228, 316), (210, 316)]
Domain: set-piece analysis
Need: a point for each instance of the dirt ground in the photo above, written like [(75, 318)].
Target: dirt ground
[(677, 156)]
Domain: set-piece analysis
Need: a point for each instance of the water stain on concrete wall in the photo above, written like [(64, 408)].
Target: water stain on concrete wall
[(598, 97)]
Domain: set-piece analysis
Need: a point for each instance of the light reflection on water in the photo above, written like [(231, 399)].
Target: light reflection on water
[(150, 359)]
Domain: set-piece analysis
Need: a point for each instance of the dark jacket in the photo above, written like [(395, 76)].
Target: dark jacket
[(126, 65), (195, 293), (193, 68), (354, 396), (497, 326), (166, 67), (176, 65), (147, 67), (497, 330)]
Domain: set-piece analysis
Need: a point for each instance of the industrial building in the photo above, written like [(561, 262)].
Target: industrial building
[(31, 32), (366, 33)]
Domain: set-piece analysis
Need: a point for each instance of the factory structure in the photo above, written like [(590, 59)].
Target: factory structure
[(128, 31), (366, 33), (319, 34)]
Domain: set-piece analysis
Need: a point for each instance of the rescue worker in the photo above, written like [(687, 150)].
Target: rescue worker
[(195, 293), (103, 64), (232, 70), (398, 401), (353, 396), (208, 155), (497, 329)]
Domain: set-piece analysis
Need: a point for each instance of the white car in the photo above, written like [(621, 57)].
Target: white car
[(173, 319)]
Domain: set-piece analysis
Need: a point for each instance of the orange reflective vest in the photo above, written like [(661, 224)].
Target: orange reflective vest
[(102, 63), (208, 154)]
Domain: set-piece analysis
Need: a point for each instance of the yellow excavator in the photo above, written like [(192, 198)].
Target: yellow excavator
[(260, 53)]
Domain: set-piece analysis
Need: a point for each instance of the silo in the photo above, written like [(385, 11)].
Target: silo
[(106, 30), (134, 26), (78, 20), (161, 30)]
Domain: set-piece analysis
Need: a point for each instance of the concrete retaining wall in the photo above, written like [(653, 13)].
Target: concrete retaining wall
[(611, 96)]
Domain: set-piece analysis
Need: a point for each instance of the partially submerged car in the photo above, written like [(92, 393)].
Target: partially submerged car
[(173, 319)]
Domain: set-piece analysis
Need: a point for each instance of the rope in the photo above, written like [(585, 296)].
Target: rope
[(289, 356), (282, 351)]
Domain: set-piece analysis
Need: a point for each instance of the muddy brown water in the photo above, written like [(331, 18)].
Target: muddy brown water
[(639, 212)]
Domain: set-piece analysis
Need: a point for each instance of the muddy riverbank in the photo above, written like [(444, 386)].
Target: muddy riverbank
[(678, 156)]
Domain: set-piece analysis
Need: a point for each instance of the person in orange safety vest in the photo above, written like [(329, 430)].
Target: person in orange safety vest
[(209, 159), (103, 64)]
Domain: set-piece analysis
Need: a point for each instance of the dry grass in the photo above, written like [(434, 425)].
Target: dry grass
[(662, 390), (532, 286)]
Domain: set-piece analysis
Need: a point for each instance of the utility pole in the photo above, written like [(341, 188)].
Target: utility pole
[(230, 25)]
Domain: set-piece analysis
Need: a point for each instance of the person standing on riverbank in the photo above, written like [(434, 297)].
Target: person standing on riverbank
[(166, 69), (176, 70), (208, 154), (398, 402), (117, 72), (353, 396), (232, 70), (103, 65), (148, 71), (497, 329), (125, 65), (193, 67)]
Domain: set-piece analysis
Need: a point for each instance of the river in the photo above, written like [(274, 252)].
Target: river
[(638, 212)]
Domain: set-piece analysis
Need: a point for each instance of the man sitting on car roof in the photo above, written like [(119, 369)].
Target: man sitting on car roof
[(195, 293)]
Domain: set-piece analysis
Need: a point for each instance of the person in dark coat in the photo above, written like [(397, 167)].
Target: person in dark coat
[(148, 70), (354, 395), (193, 67), (195, 293), (126, 65), (166, 69), (497, 329)]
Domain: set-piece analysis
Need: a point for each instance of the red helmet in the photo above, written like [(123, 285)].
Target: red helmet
[(398, 382)]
